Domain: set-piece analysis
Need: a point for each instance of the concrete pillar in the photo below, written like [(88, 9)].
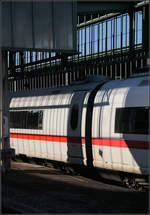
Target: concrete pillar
[(1, 113), (4, 125)]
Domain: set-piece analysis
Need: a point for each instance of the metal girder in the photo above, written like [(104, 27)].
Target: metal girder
[(93, 7)]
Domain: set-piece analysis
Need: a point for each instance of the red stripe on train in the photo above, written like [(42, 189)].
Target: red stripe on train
[(46, 138), (95, 141), (121, 143), (39, 137)]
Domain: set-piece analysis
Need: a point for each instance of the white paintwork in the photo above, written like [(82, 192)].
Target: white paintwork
[(115, 94), (56, 106)]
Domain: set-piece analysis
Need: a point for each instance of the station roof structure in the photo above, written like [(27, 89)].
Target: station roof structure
[(55, 17), (103, 7), (39, 26)]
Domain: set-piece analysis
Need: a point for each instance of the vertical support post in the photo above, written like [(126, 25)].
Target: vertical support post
[(4, 130), (91, 38), (85, 38), (78, 38), (145, 36), (1, 87), (132, 30), (113, 35), (132, 40), (1, 112), (98, 38), (106, 37), (64, 65)]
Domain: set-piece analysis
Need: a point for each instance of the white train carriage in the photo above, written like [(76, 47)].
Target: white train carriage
[(96, 123), (120, 126), (47, 123)]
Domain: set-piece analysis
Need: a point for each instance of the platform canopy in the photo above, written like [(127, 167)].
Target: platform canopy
[(85, 7), (39, 25)]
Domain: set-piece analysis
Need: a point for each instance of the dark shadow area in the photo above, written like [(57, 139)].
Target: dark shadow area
[(74, 139), (64, 195), (59, 168)]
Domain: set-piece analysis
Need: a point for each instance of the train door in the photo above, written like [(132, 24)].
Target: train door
[(74, 139)]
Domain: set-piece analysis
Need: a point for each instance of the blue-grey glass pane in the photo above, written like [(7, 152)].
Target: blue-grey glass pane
[(80, 36), (109, 35), (140, 36), (95, 31), (127, 39), (118, 25), (124, 24), (88, 42), (95, 47), (128, 24), (109, 28), (118, 41), (139, 27), (83, 35), (140, 20), (109, 43), (87, 34), (104, 45), (100, 37), (104, 36)]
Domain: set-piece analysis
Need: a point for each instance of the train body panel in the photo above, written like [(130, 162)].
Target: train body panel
[(57, 125), (112, 148), (56, 139)]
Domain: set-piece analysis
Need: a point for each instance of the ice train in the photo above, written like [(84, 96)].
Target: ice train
[(96, 122)]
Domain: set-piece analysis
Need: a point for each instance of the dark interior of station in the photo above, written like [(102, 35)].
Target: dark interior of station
[(112, 40)]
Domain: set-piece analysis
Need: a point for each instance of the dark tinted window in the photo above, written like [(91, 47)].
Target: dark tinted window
[(26, 119), (132, 120), (74, 117)]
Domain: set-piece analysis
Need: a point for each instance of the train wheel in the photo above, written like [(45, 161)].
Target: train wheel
[(131, 183)]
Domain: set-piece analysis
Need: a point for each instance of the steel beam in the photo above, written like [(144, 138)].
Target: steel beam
[(4, 125), (87, 7), (145, 33), (1, 113)]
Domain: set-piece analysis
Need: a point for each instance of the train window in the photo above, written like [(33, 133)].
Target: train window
[(26, 119), (18, 119), (74, 117), (34, 119), (132, 120)]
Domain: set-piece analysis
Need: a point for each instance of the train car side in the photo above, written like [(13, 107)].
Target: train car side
[(85, 125), (120, 126)]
